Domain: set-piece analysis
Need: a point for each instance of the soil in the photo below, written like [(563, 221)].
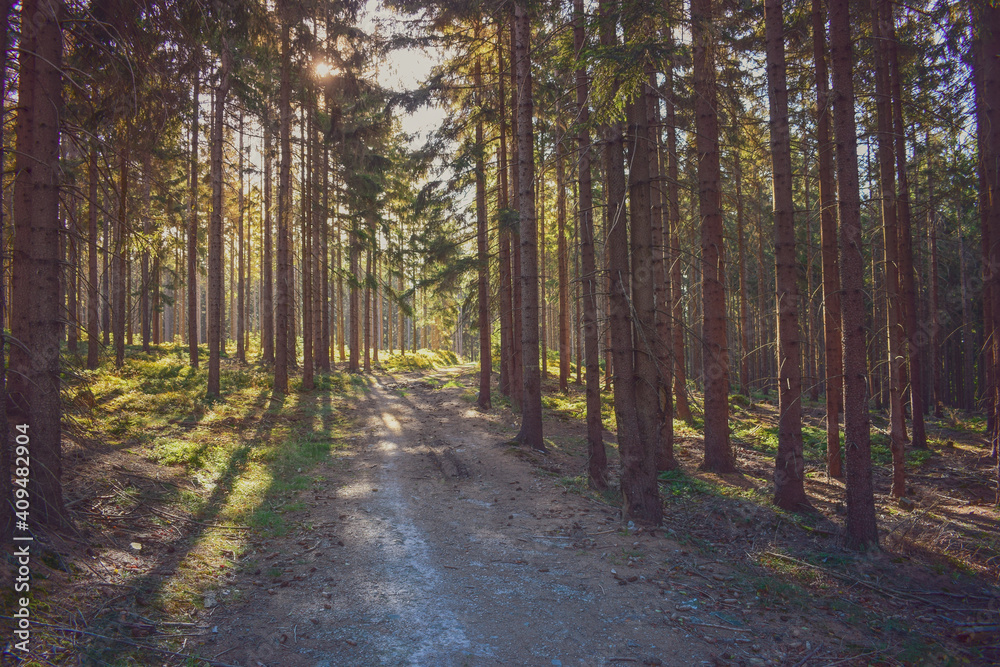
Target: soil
[(434, 539)]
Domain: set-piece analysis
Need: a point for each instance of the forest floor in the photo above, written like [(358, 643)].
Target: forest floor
[(384, 520)]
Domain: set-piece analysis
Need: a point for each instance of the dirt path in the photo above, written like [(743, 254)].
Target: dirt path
[(434, 545)]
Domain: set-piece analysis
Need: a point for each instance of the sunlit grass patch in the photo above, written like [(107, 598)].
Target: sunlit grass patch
[(422, 359)]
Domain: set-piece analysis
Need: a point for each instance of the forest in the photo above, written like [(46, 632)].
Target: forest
[(672, 332)]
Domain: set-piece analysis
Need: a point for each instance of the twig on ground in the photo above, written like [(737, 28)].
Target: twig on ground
[(720, 627), (147, 647), (808, 656)]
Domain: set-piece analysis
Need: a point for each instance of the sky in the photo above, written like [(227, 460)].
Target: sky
[(404, 69)]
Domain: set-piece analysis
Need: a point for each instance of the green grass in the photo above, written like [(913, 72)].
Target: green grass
[(243, 457), (420, 360)]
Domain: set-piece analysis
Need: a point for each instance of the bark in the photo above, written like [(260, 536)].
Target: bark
[(643, 286), (989, 129), (241, 351), (215, 263), (323, 353), (118, 289), (742, 277), (482, 246), (34, 400), (638, 475), (933, 289), (281, 314), (517, 361), (267, 262), (913, 343), (147, 230), (192, 230), (531, 399), (562, 255), (504, 233), (674, 223), (718, 450), (862, 530), (887, 185), (305, 231), (597, 464), (317, 220), (660, 234), (93, 299), (354, 357), (72, 272), (828, 240), (789, 464)]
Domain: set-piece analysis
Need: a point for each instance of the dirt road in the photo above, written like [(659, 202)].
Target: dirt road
[(436, 544)]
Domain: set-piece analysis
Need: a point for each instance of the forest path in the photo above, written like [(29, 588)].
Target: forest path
[(435, 544)]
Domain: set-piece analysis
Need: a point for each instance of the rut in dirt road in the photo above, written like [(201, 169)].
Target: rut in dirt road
[(450, 556)]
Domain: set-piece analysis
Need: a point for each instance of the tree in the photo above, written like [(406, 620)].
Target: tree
[(215, 295), (531, 400), (862, 529), (597, 457), (192, 231), (789, 464), (828, 236), (36, 309), (485, 348), (718, 450), (640, 494), (282, 296)]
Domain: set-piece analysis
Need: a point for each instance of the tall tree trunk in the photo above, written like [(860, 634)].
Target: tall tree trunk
[(640, 494), (485, 333), (192, 229), (517, 365), (147, 230), (988, 88), (562, 253), (317, 217), (828, 239), (282, 297), (305, 232), (118, 288), (215, 260), (354, 360), (674, 223), (937, 389), (531, 400), (35, 305), (324, 253), (6, 455), (881, 16), (72, 233), (647, 406), (718, 450), (93, 298), (742, 270), (241, 351), (660, 235), (505, 291), (789, 464), (597, 464), (862, 530), (267, 276), (913, 345)]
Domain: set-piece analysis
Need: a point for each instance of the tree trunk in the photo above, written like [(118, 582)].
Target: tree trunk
[(597, 464), (482, 247), (267, 276), (503, 232), (562, 255), (517, 365), (147, 230), (789, 464), (828, 239), (638, 475), (215, 263), (241, 351), (531, 400), (93, 298), (192, 230), (37, 311), (887, 182), (718, 450), (118, 289), (862, 530), (674, 223), (305, 235), (660, 235), (281, 314)]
